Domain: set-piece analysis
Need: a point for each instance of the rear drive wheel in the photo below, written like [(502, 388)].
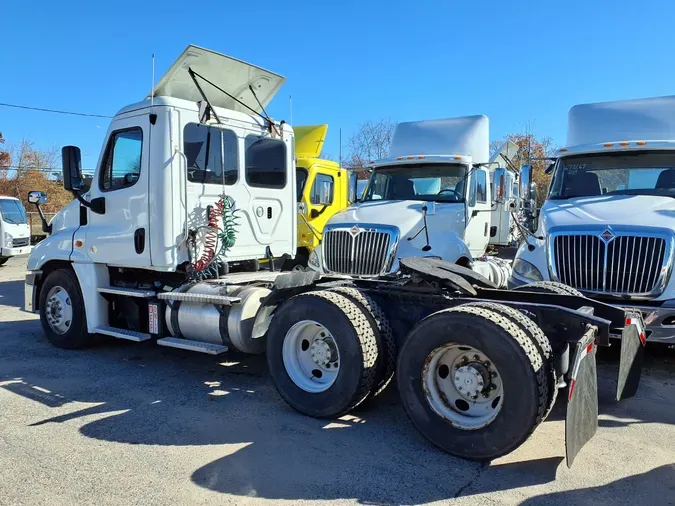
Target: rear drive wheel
[(62, 312), (549, 287), (322, 353), (386, 344), (472, 382), (538, 338)]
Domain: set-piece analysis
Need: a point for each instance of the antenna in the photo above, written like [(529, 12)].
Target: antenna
[(340, 146), (290, 109), (152, 90)]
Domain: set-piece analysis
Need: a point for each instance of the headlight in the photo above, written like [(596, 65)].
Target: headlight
[(9, 240), (527, 270), (314, 260)]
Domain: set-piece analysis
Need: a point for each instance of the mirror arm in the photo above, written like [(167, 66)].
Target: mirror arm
[(46, 227), (97, 205)]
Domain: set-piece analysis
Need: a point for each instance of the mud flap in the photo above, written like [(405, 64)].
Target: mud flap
[(581, 420), (633, 341)]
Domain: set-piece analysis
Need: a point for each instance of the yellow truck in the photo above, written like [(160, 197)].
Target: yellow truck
[(323, 188)]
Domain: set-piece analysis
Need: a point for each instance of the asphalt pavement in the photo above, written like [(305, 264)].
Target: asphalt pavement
[(127, 423)]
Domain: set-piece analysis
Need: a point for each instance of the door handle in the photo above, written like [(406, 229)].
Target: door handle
[(486, 229), (139, 240)]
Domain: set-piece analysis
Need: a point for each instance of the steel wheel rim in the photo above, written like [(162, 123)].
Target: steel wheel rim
[(311, 356), (463, 386), (59, 310)]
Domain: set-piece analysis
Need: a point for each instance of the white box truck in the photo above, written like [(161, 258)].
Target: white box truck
[(14, 229), (607, 227), (196, 177)]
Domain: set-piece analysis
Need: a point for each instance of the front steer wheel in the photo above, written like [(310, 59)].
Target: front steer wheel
[(472, 382), (62, 312), (322, 353)]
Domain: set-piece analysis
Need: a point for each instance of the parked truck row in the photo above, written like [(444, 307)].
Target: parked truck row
[(197, 178)]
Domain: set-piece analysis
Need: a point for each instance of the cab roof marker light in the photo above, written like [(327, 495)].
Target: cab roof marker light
[(421, 157), (562, 150), (624, 143), (608, 144), (456, 157), (399, 158), (641, 143), (410, 157)]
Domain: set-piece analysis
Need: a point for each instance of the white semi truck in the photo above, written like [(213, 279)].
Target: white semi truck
[(14, 229), (439, 194), (196, 177), (607, 227)]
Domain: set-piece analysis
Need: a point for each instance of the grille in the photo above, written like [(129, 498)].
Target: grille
[(629, 265), (363, 254), (17, 243)]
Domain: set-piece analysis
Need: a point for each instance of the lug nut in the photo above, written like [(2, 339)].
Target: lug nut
[(493, 386), (476, 357), (487, 363), (493, 374), (459, 388)]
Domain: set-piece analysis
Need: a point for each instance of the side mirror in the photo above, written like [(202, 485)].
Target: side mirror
[(500, 185), (37, 198), (72, 168), (353, 182), (525, 182)]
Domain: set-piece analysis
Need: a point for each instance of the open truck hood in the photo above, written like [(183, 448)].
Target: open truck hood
[(309, 140), (230, 74)]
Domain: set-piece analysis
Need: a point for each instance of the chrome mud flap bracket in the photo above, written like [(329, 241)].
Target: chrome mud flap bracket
[(633, 341), (581, 420)]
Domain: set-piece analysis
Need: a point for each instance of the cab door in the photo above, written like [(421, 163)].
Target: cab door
[(477, 231), (323, 193), (120, 235)]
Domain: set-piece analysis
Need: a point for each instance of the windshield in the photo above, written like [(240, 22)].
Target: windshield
[(428, 182), (12, 212), (636, 173)]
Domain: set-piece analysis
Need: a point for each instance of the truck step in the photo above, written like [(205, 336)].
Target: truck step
[(130, 335), (128, 292), (186, 344), (199, 298)]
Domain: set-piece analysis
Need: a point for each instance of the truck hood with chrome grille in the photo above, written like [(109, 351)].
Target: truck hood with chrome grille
[(629, 210), (406, 215)]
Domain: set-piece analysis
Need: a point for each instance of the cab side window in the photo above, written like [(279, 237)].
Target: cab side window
[(265, 161), (322, 190), (212, 154), (122, 162), (481, 187)]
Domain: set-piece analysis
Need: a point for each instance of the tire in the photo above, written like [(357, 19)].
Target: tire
[(538, 338), (386, 344), (511, 351), (76, 335), (3, 261), (353, 335), (549, 287)]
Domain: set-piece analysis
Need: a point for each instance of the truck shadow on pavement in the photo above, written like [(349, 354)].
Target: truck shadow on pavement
[(148, 395), (12, 294)]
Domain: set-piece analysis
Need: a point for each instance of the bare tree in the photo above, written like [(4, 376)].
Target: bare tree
[(370, 142)]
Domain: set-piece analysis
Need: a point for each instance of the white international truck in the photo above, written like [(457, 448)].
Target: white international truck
[(14, 229), (439, 194), (607, 227), (196, 177)]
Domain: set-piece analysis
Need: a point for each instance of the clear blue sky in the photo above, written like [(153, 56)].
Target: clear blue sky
[(345, 61)]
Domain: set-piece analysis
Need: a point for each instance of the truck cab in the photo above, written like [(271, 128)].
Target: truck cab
[(14, 229), (607, 227), (430, 198), (323, 189)]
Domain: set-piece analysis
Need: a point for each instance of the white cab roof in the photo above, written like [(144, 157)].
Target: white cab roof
[(232, 75), (465, 136), (648, 119)]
